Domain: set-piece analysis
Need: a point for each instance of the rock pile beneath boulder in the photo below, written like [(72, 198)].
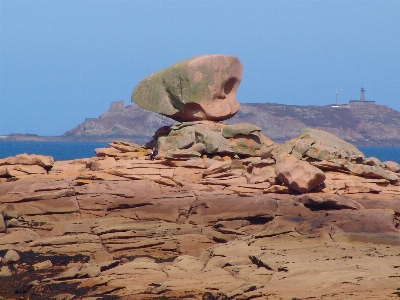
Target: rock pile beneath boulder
[(194, 139)]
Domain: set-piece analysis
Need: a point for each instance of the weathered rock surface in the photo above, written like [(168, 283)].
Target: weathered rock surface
[(392, 166), (25, 159), (212, 138), (297, 174), (200, 88), (195, 227), (319, 145)]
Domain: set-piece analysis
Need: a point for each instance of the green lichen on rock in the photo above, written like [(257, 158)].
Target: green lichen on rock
[(241, 128), (213, 141), (187, 90), (174, 83), (245, 144), (329, 143), (180, 87)]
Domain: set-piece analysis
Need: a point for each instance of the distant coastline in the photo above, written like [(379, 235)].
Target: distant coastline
[(95, 138), (363, 123), (141, 140)]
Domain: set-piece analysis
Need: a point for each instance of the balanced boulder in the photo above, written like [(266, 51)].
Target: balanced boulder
[(200, 88)]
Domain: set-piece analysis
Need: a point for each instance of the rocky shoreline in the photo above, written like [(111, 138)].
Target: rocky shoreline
[(222, 212), (119, 226)]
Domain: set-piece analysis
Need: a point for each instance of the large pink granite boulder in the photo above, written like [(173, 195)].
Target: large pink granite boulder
[(298, 174), (199, 88)]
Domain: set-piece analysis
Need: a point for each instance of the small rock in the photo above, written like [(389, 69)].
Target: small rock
[(277, 189), (64, 297), (181, 154), (11, 256), (104, 152), (33, 283), (2, 224), (392, 166), (42, 265), (70, 273), (218, 167), (106, 265), (373, 161), (5, 271), (230, 131), (187, 262), (198, 147), (246, 145), (124, 260), (297, 174), (90, 269), (214, 142)]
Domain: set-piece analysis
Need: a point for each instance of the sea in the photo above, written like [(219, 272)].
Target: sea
[(74, 150), (58, 150)]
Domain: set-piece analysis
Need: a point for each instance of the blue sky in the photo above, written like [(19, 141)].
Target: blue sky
[(64, 61)]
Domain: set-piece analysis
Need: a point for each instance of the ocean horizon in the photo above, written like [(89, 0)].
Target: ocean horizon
[(75, 150)]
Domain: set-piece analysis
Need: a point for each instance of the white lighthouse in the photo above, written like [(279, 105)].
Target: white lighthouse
[(362, 99), (362, 95)]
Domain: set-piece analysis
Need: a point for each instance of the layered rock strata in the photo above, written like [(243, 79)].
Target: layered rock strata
[(202, 227)]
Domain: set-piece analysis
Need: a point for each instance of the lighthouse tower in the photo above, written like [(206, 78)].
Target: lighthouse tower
[(362, 99), (362, 95)]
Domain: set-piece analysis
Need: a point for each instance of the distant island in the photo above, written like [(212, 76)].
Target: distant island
[(362, 123)]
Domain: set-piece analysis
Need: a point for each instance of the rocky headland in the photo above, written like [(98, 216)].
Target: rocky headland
[(366, 124), (361, 124), (223, 212)]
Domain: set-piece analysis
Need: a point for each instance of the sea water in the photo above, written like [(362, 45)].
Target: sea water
[(58, 150), (382, 153), (74, 150)]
